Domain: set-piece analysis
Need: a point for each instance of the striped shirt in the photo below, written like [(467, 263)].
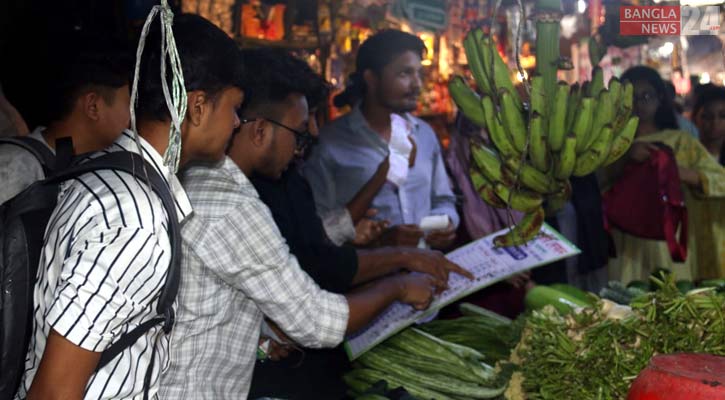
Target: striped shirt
[(104, 261), (238, 269)]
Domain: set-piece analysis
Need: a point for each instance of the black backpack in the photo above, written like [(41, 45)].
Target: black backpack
[(23, 221)]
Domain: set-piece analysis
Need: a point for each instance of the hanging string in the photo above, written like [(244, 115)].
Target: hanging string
[(176, 100)]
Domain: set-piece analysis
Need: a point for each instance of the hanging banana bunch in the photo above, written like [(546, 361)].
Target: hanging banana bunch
[(537, 145)]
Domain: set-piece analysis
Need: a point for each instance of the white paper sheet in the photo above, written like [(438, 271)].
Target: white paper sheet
[(487, 263)]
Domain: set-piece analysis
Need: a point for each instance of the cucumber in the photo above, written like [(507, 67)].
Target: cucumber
[(574, 292), (718, 283), (424, 365), (437, 382), (461, 351), (540, 296), (415, 343), (472, 310)]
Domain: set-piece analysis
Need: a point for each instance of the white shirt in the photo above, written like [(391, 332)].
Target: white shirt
[(104, 261)]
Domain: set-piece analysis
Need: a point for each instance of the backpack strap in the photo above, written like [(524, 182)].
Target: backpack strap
[(37, 148), (135, 165)]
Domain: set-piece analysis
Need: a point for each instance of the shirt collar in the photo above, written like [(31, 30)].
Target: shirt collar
[(127, 142), (358, 122)]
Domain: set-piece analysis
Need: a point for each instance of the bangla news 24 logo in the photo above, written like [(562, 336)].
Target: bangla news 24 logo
[(669, 20)]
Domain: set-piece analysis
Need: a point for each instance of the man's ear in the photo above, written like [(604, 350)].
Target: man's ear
[(198, 106), (89, 103), (259, 134), (371, 80)]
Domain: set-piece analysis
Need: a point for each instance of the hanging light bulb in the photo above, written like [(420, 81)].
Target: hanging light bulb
[(581, 6)]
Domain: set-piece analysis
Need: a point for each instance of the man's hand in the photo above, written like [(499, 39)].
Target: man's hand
[(368, 230), (640, 151), (416, 290), (276, 350), (433, 263), (442, 239), (402, 235)]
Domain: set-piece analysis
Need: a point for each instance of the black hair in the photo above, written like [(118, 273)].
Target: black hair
[(80, 63), (709, 95), (665, 117), (209, 61), (270, 75), (374, 54)]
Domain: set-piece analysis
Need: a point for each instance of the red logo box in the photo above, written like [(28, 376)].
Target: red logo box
[(649, 20)]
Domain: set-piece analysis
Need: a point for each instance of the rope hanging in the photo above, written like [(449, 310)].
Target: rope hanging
[(176, 101)]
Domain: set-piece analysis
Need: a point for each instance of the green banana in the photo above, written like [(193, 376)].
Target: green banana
[(604, 115), (627, 97), (597, 84), (518, 200), (475, 63), (572, 106), (538, 143), (487, 161), (566, 159), (583, 123), (557, 119), (484, 188), (524, 231), (496, 131), (467, 100), (622, 140), (593, 158), (615, 87), (500, 73), (513, 120), (529, 176), (538, 98)]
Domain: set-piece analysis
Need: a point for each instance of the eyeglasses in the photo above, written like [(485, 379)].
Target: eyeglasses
[(645, 98), (302, 138)]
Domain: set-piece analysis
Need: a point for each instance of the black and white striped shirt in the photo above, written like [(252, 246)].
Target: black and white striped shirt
[(104, 261)]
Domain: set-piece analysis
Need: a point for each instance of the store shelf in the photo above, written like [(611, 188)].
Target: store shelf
[(246, 42)]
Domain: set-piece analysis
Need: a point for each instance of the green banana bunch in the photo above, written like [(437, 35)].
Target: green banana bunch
[(487, 161), (484, 188), (595, 156), (519, 200), (565, 130), (524, 231), (558, 127), (622, 140), (496, 131), (513, 120), (475, 63), (538, 143), (583, 123), (468, 101)]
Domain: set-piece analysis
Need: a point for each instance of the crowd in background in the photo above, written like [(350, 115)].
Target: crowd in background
[(295, 235)]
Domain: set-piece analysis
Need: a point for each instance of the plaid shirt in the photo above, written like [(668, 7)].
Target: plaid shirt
[(237, 269)]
